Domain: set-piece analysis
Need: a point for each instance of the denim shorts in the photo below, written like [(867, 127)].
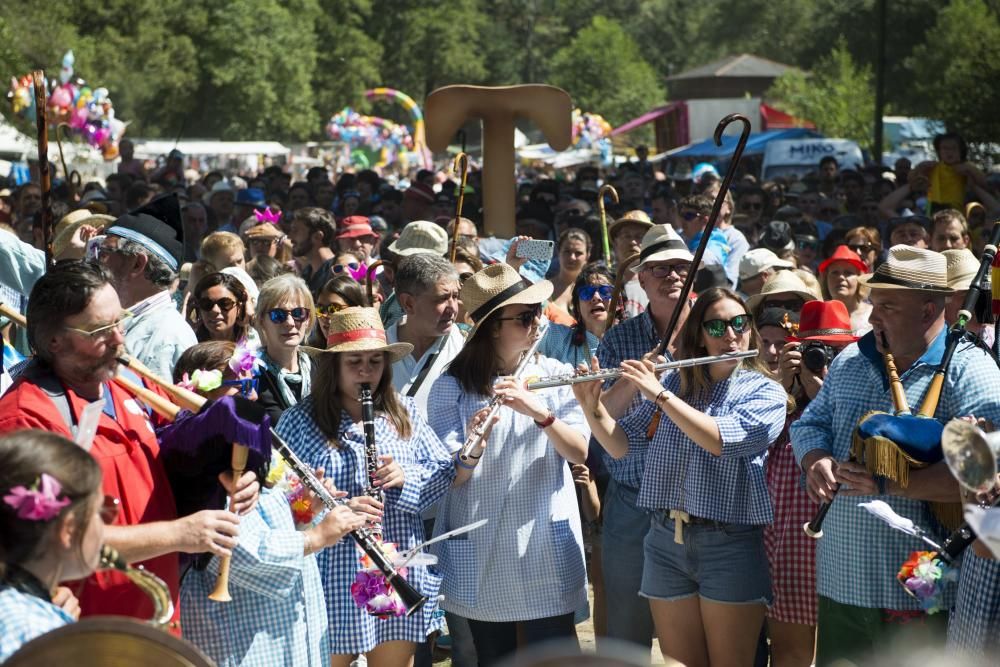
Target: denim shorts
[(719, 562)]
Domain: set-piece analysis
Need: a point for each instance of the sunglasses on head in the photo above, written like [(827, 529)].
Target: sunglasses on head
[(587, 292), (225, 304), (717, 328), (279, 315), (527, 318), (247, 385), (328, 309)]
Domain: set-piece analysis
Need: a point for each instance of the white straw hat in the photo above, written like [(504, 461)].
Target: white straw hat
[(421, 236), (911, 268), (962, 268), (636, 217), (496, 286), (660, 244), (783, 282)]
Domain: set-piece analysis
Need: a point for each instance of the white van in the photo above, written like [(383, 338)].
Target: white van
[(788, 157)]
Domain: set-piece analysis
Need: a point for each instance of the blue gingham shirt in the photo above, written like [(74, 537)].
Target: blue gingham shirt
[(23, 617), (277, 615), (527, 561), (558, 344), (628, 340), (858, 557), (429, 470), (750, 412)]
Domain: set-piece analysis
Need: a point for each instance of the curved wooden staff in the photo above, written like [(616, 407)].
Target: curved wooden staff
[(370, 282), (38, 78), (616, 293), (460, 165), (73, 178), (606, 189), (705, 235)]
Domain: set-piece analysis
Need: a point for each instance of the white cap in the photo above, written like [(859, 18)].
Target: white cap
[(761, 259)]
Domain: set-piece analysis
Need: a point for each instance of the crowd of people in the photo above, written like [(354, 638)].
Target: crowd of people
[(678, 495)]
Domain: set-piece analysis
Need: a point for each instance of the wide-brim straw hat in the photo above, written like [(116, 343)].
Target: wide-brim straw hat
[(496, 286), (962, 268), (782, 282), (636, 217), (421, 236), (71, 222), (824, 321), (660, 244), (911, 268), (358, 329)]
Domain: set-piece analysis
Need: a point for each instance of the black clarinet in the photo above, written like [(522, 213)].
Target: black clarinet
[(371, 450), (412, 599), (963, 536)]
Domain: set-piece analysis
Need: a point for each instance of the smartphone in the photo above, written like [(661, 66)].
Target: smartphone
[(540, 251)]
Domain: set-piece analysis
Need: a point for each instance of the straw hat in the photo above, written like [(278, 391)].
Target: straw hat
[(758, 260), (782, 282), (911, 268), (845, 254), (824, 321), (660, 244), (359, 330), (71, 222), (496, 286), (421, 236), (962, 268), (636, 217), (265, 230)]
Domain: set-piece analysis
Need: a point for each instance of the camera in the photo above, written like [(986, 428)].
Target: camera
[(816, 356)]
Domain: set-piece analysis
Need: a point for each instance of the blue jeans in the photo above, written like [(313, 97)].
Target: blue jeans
[(625, 528)]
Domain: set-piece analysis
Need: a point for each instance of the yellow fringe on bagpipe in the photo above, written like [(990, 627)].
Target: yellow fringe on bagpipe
[(948, 515)]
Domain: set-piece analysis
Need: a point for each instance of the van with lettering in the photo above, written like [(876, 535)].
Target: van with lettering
[(798, 157)]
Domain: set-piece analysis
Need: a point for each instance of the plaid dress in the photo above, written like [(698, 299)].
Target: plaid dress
[(24, 617), (790, 552), (429, 471), (974, 627)]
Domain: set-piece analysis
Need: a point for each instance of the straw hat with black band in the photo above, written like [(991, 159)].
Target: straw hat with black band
[(661, 244), (911, 268), (358, 329), (496, 286)]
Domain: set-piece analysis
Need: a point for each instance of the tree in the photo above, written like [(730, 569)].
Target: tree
[(605, 73), (838, 96), (957, 68)]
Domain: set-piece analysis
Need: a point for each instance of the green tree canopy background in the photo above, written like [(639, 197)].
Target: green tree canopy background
[(278, 69)]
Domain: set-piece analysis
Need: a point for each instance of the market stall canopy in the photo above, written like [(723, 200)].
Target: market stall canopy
[(755, 145), (151, 148)]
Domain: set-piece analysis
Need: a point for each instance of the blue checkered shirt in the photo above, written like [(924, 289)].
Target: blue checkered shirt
[(277, 615), (24, 617), (750, 412), (857, 559), (974, 626), (558, 344), (429, 471), (628, 340), (527, 562)]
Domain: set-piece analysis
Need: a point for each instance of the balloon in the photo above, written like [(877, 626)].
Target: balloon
[(61, 98), (66, 73), (78, 118)]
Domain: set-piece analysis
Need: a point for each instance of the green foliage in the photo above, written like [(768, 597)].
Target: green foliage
[(957, 68), (839, 96), (603, 70), (347, 58)]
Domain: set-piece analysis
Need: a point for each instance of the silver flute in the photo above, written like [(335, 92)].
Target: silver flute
[(473, 447), (613, 373)]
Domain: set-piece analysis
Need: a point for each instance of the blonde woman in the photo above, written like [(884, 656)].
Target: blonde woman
[(839, 282)]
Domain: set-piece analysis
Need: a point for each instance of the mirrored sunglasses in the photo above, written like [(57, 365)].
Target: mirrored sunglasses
[(587, 292), (717, 328), (247, 385), (279, 315), (328, 309)]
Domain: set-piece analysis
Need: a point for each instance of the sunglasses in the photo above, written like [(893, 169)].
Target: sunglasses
[(794, 305), (664, 270), (109, 509), (247, 385), (279, 315), (861, 248), (328, 310), (527, 318), (225, 304), (462, 277), (106, 331), (264, 242), (587, 292), (807, 244), (341, 268), (717, 328), (690, 215)]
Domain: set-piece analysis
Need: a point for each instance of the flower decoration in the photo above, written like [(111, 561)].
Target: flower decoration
[(202, 381), (40, 502), (268, 215), (923, 576), (244, 357), (371, 590)]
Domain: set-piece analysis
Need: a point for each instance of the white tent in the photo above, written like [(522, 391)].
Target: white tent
[(152, 148)]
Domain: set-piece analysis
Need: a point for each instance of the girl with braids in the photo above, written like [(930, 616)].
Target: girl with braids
[(51, 530)]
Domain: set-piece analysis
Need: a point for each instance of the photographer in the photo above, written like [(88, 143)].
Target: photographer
[(824, 329)]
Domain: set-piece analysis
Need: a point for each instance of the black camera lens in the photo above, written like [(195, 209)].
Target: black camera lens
[(816, 356)]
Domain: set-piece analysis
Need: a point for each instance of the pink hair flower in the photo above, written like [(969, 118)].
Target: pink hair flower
[(244, 357), (41, 502)]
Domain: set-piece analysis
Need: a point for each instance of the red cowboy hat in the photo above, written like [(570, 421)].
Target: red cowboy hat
[(825, 321), (845, 254)]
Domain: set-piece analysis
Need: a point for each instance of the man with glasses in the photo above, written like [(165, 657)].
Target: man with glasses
[(665, 264), (142, 251), (76, 326), (751, 204)]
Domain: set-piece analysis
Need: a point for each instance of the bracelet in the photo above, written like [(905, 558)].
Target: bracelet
[(666, 392), (463, 464), (547, 422)]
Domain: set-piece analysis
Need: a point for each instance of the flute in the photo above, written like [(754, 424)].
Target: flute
[(614, 373), (473, 447), (412, 599)]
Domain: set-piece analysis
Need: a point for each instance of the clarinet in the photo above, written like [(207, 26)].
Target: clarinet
[(371, 450), (369, 543)]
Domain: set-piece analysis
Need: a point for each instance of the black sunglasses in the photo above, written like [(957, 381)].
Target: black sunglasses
[(717, 328), (225, 304), (861, 248), (527, 318)]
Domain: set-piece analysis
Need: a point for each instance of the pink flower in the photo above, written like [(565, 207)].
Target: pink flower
[(39, 503)]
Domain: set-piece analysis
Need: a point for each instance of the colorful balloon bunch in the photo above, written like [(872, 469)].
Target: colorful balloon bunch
[(589, 129), (370, 132), (88, 112)]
